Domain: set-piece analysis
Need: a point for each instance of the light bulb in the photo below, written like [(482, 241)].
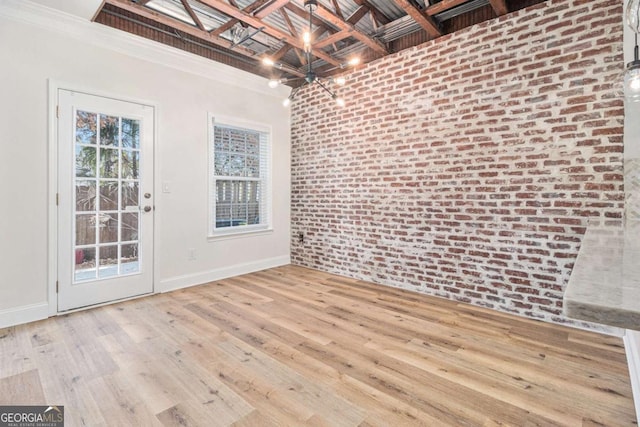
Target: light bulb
[(633, 15), (632, 84), (286, 102), (306, 37), (355, 60), (268, 61), (340, 81), (274, 83), (340, 102)]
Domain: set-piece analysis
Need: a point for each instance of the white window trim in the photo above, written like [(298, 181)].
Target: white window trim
[(247, 230)]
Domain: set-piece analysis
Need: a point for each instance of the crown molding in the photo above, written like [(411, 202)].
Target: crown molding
[(27, 12)]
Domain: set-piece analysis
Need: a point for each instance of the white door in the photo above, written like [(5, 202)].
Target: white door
[(105, 200)]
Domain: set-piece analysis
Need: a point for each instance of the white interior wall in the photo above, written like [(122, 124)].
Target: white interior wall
[(31, 55), (631, 127)]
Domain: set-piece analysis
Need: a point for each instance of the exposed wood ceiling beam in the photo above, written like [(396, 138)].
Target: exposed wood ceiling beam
[(358, 15), (328, 16), (425, 21), (287, 20), (249, 9), (336, 7), (443, 5), (267, 10), (192, 14), (234, 12), (333, 38), (281, 52), (304, 14), (375, 12), (500, 6), (374, 21), (335, 34), (160, 18)]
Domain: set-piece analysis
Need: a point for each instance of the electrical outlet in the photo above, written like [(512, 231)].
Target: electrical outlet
[(191, 254)]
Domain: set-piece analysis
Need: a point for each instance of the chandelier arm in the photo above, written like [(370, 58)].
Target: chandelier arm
[(326, 89), (295, 92)]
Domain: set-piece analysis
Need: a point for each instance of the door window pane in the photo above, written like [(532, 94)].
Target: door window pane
[(85, 229), (108, 227), (108, 195), (130, 133), (108, 262), (108, 163), (129, 259), (129, 227), (109, 130), (130, 164), (130, 194), (86, 130), (85, 264), (86, 162), (85, 196)]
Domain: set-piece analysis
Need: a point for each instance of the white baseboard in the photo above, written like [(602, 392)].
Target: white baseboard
[(632, 348), (188, 280), (25, 314)]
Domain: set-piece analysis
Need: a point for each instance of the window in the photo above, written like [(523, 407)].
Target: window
[(240, 198)]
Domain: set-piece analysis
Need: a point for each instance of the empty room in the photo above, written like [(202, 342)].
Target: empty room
[(319, 212)]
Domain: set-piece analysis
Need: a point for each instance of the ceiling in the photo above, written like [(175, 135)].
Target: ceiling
[(241, 33)]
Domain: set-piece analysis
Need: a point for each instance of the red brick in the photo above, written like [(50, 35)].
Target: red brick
[(468, 170)]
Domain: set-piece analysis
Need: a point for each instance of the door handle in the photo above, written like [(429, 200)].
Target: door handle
[(147, 208)]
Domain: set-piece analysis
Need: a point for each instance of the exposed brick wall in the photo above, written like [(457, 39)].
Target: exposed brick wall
[(468, 167)]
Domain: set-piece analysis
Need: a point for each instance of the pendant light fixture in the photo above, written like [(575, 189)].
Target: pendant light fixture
[(632, 74), (310, 76)]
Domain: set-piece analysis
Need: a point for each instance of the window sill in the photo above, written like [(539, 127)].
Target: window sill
[(238, 234)]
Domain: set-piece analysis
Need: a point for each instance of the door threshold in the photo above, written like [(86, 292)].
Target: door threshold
[(102, 304)]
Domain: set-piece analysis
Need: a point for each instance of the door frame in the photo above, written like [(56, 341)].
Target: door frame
[(52, 187)]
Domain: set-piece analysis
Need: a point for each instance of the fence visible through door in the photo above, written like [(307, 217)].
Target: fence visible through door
[(105, 207)]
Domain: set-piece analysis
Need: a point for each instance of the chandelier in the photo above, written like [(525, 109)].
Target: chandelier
[(310, 77), (632, 74)]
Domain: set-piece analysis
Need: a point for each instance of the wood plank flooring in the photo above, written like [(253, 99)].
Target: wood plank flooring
[(291, 346)]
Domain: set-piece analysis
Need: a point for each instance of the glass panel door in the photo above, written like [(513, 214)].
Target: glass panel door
[(105, 222)]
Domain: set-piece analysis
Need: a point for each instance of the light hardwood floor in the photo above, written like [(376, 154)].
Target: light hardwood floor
[(292, 346)]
